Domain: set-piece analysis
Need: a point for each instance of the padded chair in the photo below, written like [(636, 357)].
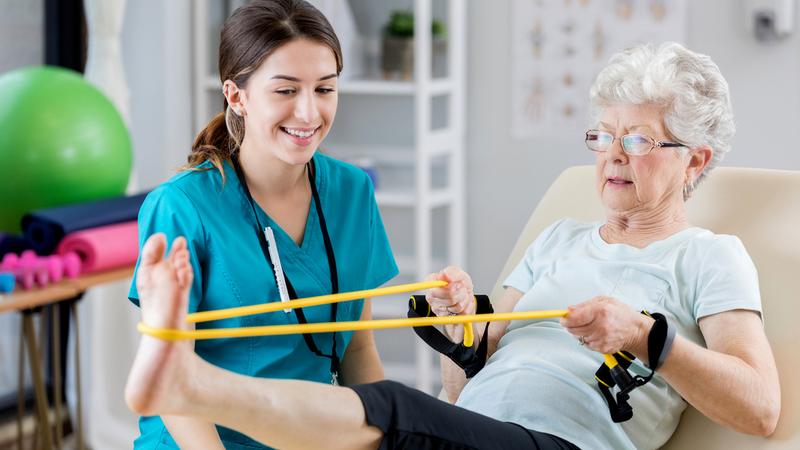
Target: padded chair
[(762, 208)]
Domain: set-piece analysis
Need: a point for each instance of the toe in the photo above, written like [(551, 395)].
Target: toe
[(178, 245), (185, 276), (153, 249)]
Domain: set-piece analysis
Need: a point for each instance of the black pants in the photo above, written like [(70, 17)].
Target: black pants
[(411, 419)]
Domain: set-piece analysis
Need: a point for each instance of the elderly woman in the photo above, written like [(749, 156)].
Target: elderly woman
[(663, 121)]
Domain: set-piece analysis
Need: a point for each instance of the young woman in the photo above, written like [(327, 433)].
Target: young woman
[(255, 171)]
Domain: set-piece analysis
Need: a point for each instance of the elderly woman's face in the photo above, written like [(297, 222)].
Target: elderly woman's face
[(629, 183)]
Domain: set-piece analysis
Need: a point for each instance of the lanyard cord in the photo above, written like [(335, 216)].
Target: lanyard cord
[(301, 318)]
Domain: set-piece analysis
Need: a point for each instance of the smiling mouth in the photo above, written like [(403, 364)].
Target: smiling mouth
[(300, 133)]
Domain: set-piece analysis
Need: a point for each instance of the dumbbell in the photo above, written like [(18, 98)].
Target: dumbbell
[(7, 282), (31, 269)]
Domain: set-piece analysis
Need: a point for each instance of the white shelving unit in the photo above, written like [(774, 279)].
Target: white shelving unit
[(432, 161)]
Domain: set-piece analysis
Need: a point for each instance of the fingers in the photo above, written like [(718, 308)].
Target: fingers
[(578, 316), (603, 324), (455, 274), (153, 249), (456, 279), (455, 298)]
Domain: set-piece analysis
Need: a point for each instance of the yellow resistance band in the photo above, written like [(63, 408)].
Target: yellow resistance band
[(327, 327), (205, 316), (218, 314)]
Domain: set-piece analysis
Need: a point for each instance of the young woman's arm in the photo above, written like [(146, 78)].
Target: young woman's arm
[(194, 434), (361, 362)]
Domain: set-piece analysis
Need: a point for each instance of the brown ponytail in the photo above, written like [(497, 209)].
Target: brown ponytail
[(247, 38)]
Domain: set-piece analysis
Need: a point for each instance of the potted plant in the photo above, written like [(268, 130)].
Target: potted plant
[(398, 44)]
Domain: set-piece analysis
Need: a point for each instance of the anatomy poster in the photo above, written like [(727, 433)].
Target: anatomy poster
[(559, 46)]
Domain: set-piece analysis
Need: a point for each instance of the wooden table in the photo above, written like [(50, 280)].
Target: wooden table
[(30, 302)]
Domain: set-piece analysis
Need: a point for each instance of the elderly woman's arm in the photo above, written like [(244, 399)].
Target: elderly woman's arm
[(453, 377), (734, 381), (457, 298)]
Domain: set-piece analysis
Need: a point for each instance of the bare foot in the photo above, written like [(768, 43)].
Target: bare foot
[(156, 384)]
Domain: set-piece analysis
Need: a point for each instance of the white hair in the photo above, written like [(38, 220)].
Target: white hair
[(688, 85)]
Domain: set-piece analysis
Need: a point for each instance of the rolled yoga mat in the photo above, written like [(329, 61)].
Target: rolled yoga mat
[(10, 243), (103, 248), (45, 228)]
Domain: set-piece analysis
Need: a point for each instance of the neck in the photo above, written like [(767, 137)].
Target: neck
[(641, 228), (267, 175)]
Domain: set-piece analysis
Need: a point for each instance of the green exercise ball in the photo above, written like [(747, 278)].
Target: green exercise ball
[(61, 141)]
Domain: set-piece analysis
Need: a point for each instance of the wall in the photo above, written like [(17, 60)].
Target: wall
[(764, 87), (21, 34), (156, 48), (21, 44)]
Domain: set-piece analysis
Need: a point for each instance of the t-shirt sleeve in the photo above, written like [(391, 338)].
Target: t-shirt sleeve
[(727, 279), (381, 265), (169, 210), (522, 277)]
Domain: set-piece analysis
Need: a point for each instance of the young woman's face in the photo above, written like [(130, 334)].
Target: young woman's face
[(290, 101)]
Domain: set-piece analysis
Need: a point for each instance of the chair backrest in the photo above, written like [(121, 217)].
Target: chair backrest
[(762, 208)]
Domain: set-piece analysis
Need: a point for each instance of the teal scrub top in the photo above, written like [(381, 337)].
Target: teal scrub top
[(230, 270)]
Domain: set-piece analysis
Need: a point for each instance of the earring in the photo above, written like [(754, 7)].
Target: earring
[(688, 188)]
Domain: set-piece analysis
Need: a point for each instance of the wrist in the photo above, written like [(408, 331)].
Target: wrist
[(454, 332), (641, 334)]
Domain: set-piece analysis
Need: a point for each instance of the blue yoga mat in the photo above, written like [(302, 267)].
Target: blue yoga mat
[(45, 228), (10, 243)]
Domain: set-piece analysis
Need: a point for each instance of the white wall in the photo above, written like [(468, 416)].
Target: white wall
[(156, 50), (764, 87), (21, 34), (21, 44)]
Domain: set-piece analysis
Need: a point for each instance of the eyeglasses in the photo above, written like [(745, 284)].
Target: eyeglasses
[(632, 144)]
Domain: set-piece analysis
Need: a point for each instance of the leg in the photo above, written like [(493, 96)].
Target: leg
[(412, 419), (169, 378)]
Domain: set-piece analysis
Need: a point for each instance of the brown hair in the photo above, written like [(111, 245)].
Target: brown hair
[(248, 37)]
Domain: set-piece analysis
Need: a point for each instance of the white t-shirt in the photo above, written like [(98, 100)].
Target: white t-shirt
[(542, 379)]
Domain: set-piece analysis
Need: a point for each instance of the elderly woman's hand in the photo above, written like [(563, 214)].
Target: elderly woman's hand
[(456, 298), (607, 325)]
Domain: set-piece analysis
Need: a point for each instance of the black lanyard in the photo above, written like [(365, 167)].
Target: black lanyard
[(301, 318)]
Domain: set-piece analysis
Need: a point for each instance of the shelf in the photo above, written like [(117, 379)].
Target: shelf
[(407, 265), (440, 144), (401, 199), (384, 87), (369, 87), (390, 306), (376, 87)]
